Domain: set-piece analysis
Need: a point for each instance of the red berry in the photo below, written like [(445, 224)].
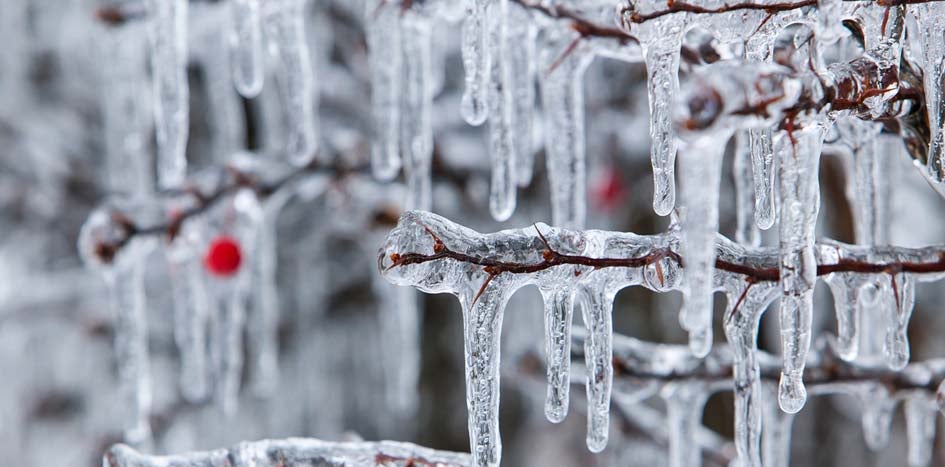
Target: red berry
[(223, 256), (608, 190)]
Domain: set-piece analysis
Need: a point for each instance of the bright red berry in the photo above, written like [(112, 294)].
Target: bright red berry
[(607, 190), (223, 257)]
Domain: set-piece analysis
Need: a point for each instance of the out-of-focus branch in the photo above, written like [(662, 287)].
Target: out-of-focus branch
[(296, 450)]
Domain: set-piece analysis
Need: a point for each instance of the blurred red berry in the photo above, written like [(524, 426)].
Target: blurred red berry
[(223, 256), (607, 190)]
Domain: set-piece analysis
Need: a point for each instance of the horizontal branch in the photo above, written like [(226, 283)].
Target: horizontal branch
[(296, 450), (495, 266)]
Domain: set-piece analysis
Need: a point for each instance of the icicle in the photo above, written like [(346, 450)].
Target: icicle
[(596, 306), (482, 319), (285, 29), (920, 429), (263, 332), (845, 289), (684, 404), (799, 153), (417, 135), (898, 312), (190, 321), (662, 68), (878, 408), (562, 95), (386, 61), (247, 51), (746, 303), (131, 346), (929, 21), (127, 123), (231, 369), (764, 168), (168, 33), (402, 324), (746, 232), (502, 124), (225, 109), (523, 34), (477, 60), (700, 170), (869, 191), (559, 304), (776, 436)]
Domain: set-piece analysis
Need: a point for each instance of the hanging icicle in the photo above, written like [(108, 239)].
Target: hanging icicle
[(168, 34)]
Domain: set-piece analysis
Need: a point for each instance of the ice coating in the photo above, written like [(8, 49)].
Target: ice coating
[(386, 60), (483, 290), (927, 19), (272, 453), (799, 153), (477, 60), (247, 49), (168, 36), (285, 32), (436, 256)]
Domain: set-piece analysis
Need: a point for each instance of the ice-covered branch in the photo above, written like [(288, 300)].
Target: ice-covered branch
[(588, 268), (761, 266), (296, 451)]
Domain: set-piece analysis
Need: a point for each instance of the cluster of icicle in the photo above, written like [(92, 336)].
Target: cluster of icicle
[(209, 312), (507, 45), (255, 26), (437, 256), (747, 97), (125, 239), (296, 451)]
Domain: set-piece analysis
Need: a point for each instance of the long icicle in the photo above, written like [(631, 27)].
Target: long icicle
[(562, 96), (799, 154), (559, 309), (417, 130), (482, 317), (477, 60), (596, 306), (700, 170), (246, 54), (662, 69), (502, 121), (522, 59), (285, 28), (168, 33), (386, 61), (131, 347)]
